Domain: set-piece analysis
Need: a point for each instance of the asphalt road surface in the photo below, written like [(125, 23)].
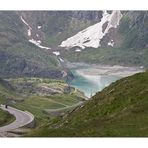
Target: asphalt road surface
[(22, 118)]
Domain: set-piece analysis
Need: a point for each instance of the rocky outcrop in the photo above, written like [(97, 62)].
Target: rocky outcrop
[(14, 66)]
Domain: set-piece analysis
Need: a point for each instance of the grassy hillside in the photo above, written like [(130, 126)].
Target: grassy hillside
[(5, 118), (6, 93), (119, 110), (39, 96)]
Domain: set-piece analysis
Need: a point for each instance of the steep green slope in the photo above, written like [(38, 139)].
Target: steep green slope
[(119, 110), (18, 57), (6, 93), (5, 118)]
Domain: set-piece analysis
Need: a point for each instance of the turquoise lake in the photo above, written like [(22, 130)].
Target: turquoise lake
[(92, 84)]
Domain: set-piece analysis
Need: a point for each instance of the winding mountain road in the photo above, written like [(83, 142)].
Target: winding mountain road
[(22, 118), (59, 111)]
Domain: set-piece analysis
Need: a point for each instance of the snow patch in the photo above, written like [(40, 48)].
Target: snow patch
[(78, 50), (61, 59), (111, 43), (57, 53), (39, 27), (29, 32), (25, 22), (37, 43), (91, 36), (29, 28)]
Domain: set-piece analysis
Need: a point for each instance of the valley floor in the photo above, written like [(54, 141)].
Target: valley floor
[(44, 98)]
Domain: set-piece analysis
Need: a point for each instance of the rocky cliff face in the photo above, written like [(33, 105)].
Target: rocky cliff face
[(134, 29), (27, 37), (30, 40), (91, 36), (52, 27), (126, 29), (19, 57)]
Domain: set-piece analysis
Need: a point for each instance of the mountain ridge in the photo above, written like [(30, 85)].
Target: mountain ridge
[(32, 38)]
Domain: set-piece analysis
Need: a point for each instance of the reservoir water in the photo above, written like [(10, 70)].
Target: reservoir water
[(90, 84)]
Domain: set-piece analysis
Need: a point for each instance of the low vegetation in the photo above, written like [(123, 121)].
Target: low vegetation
[(37, 95), (112, 56), (119, 110), (5, 118)]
